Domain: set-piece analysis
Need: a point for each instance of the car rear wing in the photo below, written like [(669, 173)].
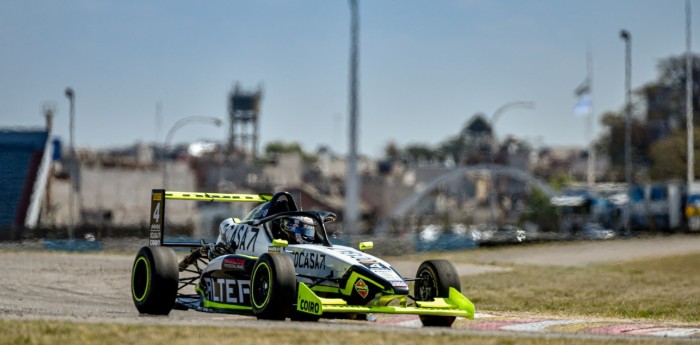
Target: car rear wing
[(157, 215)]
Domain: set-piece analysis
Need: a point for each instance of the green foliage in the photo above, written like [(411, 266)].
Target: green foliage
[(420, 153), (456, 148), (282, 147), (274, 148), (559, 181), (656, 133), (392, 151), (670, 156), (668, 92), (541, 212), (613, 143), (453, 148)]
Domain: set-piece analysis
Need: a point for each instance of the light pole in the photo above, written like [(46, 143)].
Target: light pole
[(180, 123), (689, 98), (509, 105), (625, 35), (71, 168), (352, 183), (492, 122)]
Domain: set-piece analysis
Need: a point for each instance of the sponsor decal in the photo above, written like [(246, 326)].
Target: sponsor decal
[(314, 261), (233, 263), (230, 291), (385, 273), (390, 276), (274, 250), (308, 306), (156, 219), (361, 288), (398, 283), (244, 237), (357, 255)]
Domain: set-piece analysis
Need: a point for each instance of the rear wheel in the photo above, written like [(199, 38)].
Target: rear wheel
[(154, 280), (273, 286), (435, 279)]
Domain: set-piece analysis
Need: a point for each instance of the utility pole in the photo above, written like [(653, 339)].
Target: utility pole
[(625, 35), (72, 167), (352, 186), (590, 175)]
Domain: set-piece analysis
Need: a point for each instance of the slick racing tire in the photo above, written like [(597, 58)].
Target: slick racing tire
[(435, 279), (273, 286), (154, 280)]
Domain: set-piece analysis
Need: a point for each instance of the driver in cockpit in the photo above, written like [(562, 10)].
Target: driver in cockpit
[(298, 229)]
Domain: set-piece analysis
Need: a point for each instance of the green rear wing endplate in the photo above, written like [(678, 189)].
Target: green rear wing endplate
[(157, 215), (454, 305)]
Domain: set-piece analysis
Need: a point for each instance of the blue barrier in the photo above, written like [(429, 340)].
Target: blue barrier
[(72, 245), (445, 242), (442, 243)]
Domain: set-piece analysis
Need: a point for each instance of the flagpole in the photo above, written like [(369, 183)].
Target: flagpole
[(689, 98), (591, 121)]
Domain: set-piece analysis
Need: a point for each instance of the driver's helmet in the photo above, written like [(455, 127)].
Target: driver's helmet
[(299, 229)]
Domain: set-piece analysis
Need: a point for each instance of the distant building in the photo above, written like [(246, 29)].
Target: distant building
[(477, 138)]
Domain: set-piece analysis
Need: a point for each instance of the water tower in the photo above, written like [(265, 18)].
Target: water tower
[(244, 111)]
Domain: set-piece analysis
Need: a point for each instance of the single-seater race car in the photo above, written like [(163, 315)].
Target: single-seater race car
[(278, 262)]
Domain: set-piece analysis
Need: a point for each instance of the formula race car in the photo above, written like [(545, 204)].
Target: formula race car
[(278, 262)]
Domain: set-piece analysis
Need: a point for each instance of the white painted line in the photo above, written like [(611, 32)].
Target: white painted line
[(481, 315), (676, 332), (538, 326)]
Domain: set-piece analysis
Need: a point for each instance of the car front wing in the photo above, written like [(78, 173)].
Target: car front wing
[(454, 305)]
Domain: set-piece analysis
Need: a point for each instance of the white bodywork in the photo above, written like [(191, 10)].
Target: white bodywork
[(310, 260)]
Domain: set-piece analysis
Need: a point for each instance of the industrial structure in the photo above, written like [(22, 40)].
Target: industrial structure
[(244, 112)]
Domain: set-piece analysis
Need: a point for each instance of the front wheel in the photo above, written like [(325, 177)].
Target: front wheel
[(154, 280), (435, 279), (273, 286)]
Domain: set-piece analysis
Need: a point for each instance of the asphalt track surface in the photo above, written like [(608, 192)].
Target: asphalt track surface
[(95, 287)]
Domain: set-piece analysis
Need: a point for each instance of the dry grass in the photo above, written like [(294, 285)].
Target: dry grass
[(664, 289), (44, 332)]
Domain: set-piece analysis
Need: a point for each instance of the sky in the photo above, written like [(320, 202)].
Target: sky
[(426, 67)]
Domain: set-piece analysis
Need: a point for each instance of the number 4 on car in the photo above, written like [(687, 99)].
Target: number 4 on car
[(278, 263)]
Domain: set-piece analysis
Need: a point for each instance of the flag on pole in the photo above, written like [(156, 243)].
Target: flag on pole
[(584, 88), (584, 105)]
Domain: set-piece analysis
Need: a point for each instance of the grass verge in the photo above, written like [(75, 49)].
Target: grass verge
[(664, 289), (47, 332)]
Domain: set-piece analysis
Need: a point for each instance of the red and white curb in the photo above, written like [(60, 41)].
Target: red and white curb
[(490, 322), (538, 326)]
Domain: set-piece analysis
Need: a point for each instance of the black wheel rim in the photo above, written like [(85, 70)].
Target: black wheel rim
[(426, 287), (140, 279), (261, 286)]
